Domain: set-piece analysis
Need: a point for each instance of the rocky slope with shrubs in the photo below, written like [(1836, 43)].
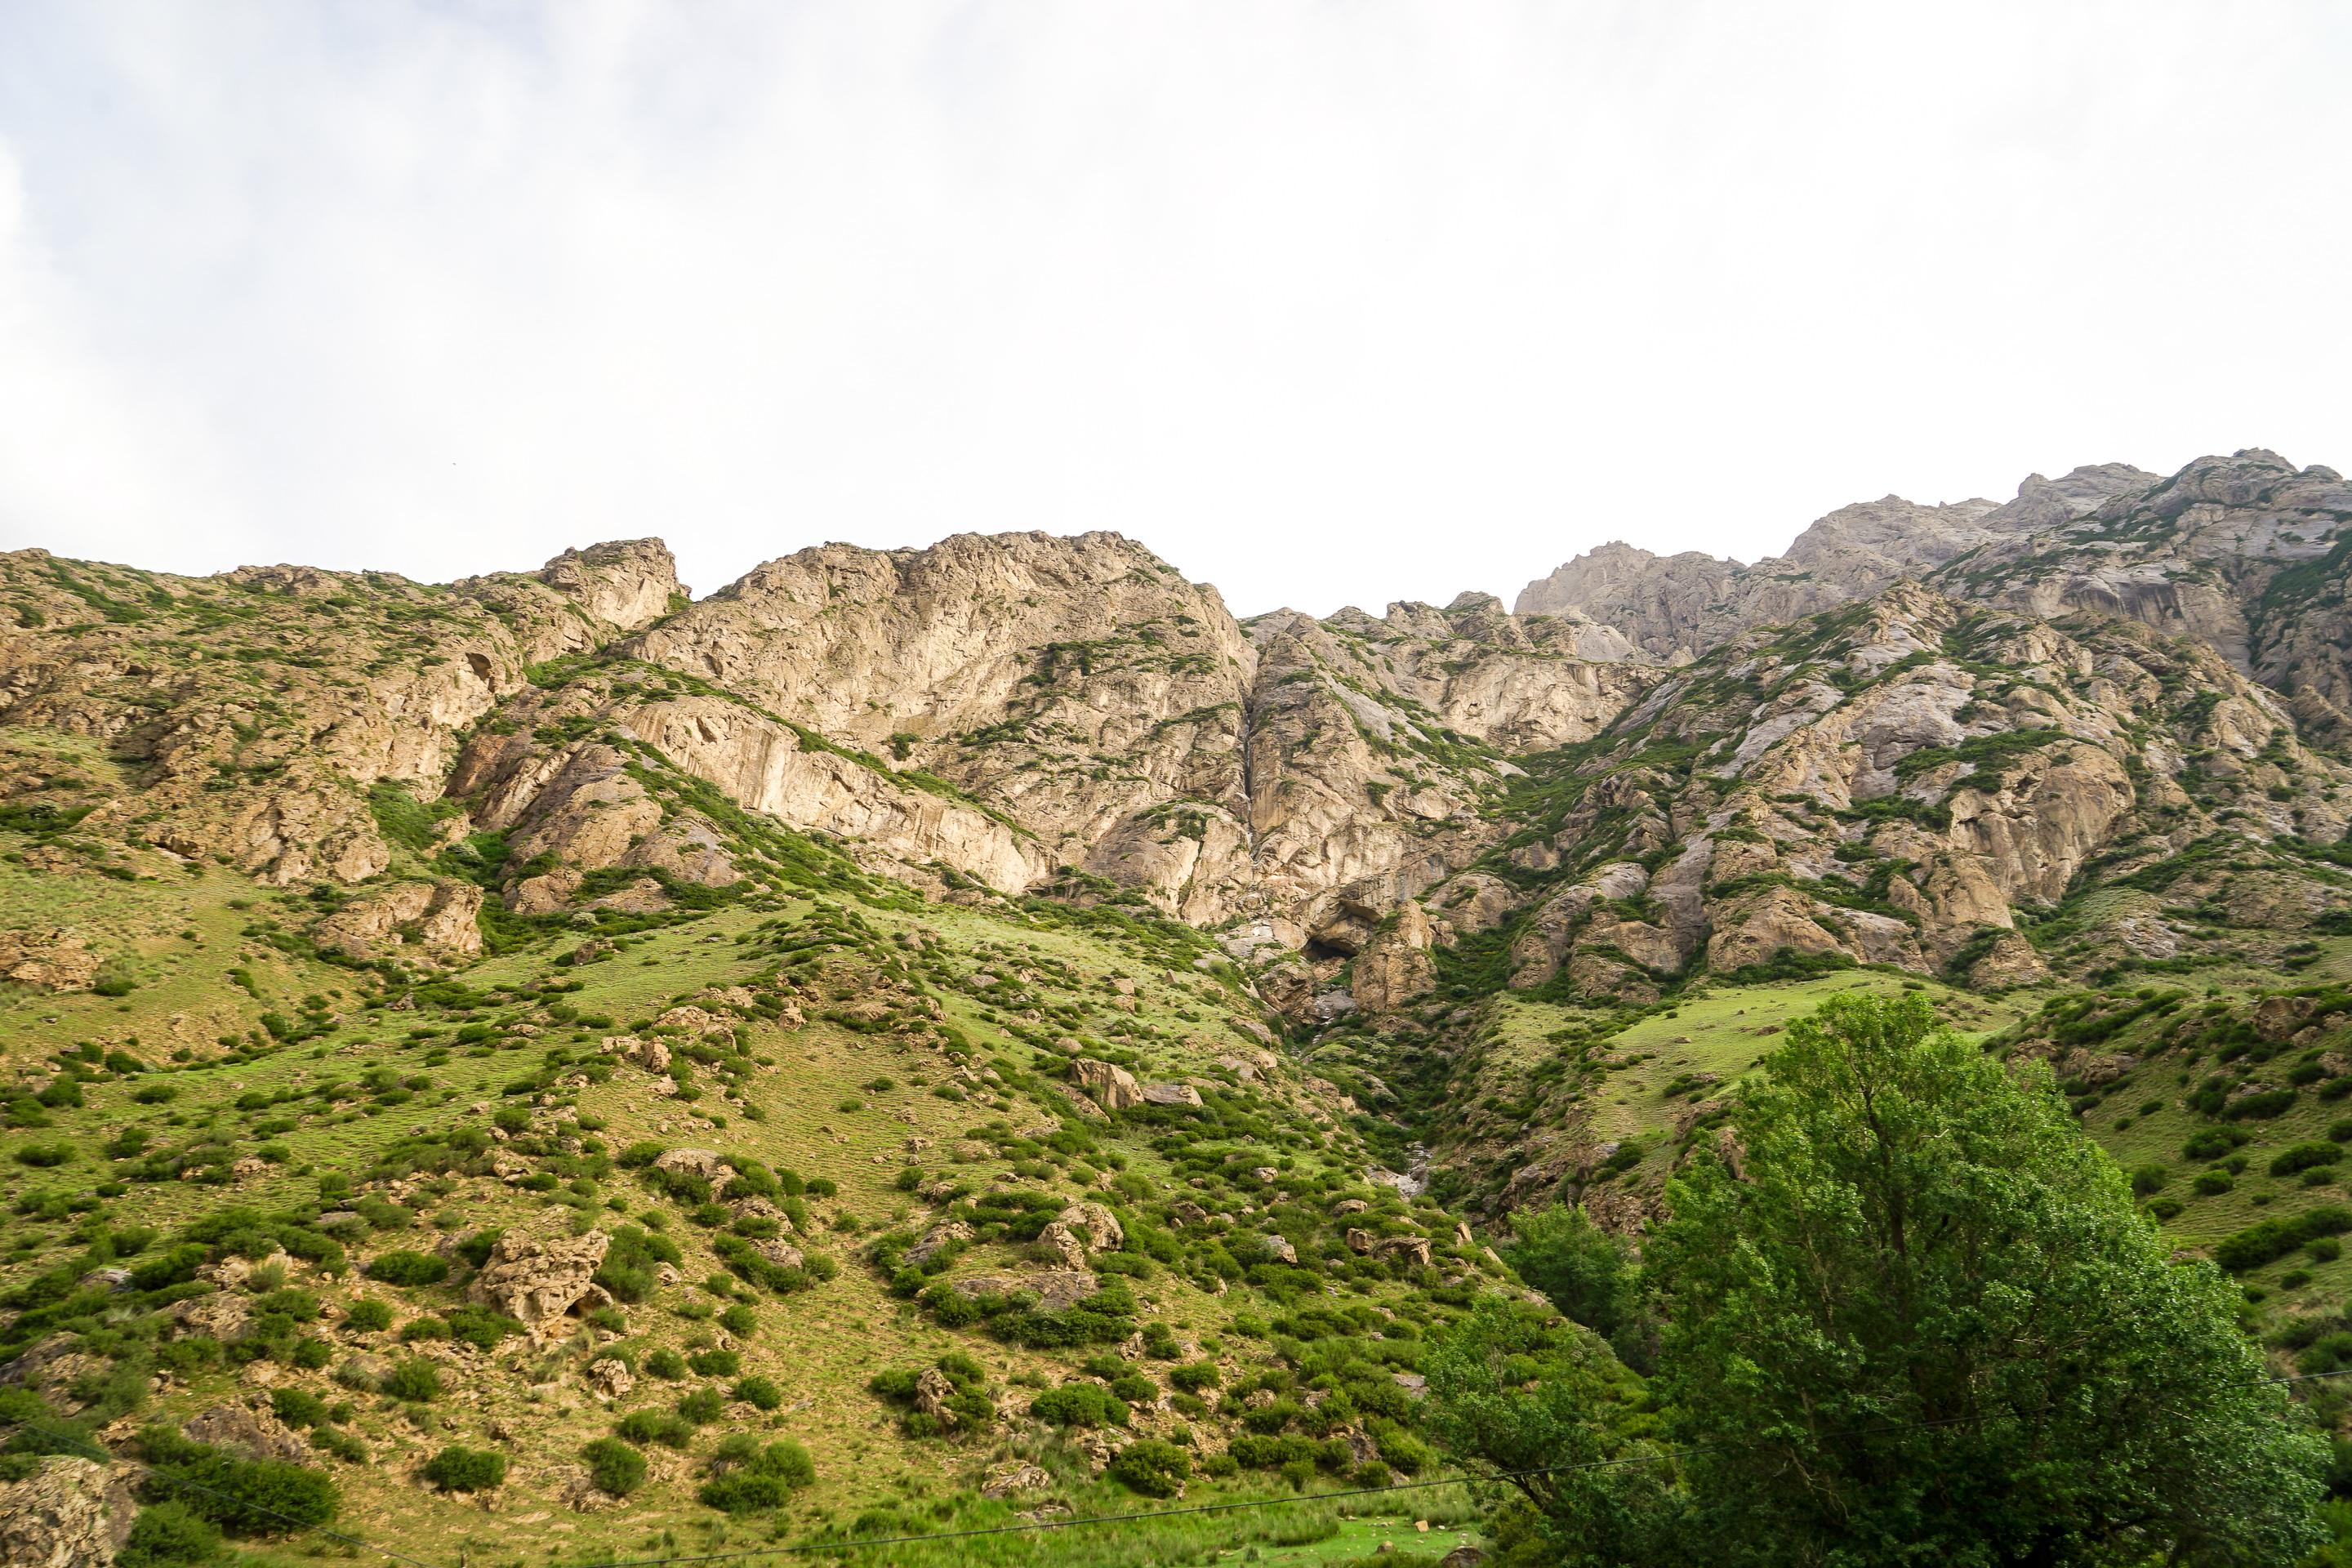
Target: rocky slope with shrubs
[(932, 1037)]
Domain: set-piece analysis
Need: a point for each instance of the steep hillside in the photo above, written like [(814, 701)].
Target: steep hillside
[(948, 1038)]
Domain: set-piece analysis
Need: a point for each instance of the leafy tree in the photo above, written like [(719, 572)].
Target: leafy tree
[(1545, 1410), (1582, 1268), (1923, 1323)]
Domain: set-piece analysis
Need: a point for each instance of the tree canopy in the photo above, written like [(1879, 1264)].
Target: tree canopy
[(1913, 1316)]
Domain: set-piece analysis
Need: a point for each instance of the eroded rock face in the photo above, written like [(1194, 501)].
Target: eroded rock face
[(437, 920), (536, 1279), (47, 960), (69, 1513), (1395, 965)]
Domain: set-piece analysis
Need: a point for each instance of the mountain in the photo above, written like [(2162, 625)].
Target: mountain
[(560, 1019)]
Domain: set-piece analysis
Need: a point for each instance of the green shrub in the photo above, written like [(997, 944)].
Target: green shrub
[(1078, 1405), (2259, 1107), (2150, 1179), (402, 1267), (761, 1393), (1153, 1468), (615, 1468), (368, 1315), (762, 1481), (167, 1534), (2302, 1157), (243, 1496), (1135, 1389), (46, 1156), (660, 1426), (715, 1364), (2212, 1142), (2211, 1183), (665, 1364), (1194, 1376), (416, 1381), (2274, 1239), (2326, 1249), (703, 1407), (460, 1470), (2165, 1208), (297, 1407)]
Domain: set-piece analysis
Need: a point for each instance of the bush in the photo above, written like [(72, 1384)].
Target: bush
[(2274, 1239), (760, 1392), (1153, 1468), (2326, 1249), (665, 1364), (2212, 1143), (2165, 1208), (715, 1364), (167, 1534), (615, 1468), (458, 1469), (406, 1267), (297, 1407), (702, 1407), (2211, 1183), (2259, 1107), (2302, 1157), (2149, 1178), (1194, 1376), (368, 1315), (1078, 1405), (663, 1427), (1135, 1389), (243, 1496), (46, 1156), (479, 1326), (414, 1380), (763, 1481)]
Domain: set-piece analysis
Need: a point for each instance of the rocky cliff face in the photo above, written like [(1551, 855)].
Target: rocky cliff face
[(1675, 607), (239, 719), (1880, 747), (1909, 781)]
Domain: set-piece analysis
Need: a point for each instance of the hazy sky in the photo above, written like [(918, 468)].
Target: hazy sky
[(1325, 302)]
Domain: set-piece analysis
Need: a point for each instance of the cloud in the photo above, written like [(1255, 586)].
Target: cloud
[(1324, 302)]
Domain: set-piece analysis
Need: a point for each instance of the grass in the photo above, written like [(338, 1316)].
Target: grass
[(820, 1345)]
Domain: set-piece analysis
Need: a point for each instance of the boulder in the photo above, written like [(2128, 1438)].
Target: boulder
[(1113, 1087), (1413, 1249), (248, 1434), (1096, 1224), (937, 1236), (535, 1279), (71, 1512), (1065, 1243), (610, 1377), (1016, 1477), (932, 1391), (1171, 1094), (703, 1163), (1056, 1289)]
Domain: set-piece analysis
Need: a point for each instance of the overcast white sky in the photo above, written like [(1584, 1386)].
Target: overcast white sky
[(1325, 302)]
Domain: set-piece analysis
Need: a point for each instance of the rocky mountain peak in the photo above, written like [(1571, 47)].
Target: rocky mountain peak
[(626, 582)]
